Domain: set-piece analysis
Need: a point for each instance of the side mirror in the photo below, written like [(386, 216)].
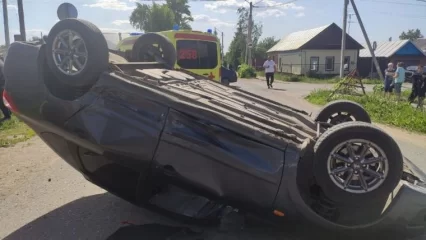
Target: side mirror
[(67, 10)]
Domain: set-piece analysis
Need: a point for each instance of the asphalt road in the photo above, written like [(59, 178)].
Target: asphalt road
[(44, 198)]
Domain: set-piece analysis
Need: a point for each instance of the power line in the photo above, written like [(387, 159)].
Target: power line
[(249, 44), (276, 5), (394, 2), (401, 15)]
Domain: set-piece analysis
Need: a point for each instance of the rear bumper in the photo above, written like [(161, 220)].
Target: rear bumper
[(407, 211)]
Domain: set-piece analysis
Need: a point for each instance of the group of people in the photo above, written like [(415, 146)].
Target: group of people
[(394, 78)]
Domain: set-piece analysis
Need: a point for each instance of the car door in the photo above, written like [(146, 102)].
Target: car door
[(210, 160)]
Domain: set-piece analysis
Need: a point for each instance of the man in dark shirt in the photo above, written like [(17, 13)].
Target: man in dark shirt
[(419, 87), (417, 84), (3, 108)]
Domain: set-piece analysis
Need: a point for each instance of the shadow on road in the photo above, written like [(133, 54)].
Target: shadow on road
[(279, 89), (93, 217), (99, 216)]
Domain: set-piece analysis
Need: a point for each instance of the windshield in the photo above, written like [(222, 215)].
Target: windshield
[(194, 54), (113, 39), (414, 68)]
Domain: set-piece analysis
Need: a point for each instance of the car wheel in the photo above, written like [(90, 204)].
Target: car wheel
[(357, 163), (154, 47), (76, 52), (340, 111), (225, 81)]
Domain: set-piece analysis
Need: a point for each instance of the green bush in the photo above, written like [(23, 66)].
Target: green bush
[(14, 131), (378, 88), (372, 81), (245, 71), (381, 109), (293, 79), (312, 74)]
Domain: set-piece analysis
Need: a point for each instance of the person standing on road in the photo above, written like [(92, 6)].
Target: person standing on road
[(389, 73), (270, 69), (399, 79), (417, 80), (421, 91), (4, 109)]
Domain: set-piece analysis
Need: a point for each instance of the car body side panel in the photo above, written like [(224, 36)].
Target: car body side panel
[(128, 134), (283, 201), (218, 161), (124, 129)]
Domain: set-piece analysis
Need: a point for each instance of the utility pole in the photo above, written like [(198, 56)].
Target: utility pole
[(249, 43), (370, 48), (342, 51), (6, 24), (21, 20), (223, 53)]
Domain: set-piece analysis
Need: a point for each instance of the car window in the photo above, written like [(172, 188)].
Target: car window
[(112, 40), (193, 54)]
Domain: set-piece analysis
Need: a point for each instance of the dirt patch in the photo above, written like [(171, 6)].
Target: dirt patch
[(22, 161), (415, 139)]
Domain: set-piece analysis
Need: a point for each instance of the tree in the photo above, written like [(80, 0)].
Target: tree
[(180, 8), (154, 18), (412, 34), (263, 46), (243, 22), (237, 49)]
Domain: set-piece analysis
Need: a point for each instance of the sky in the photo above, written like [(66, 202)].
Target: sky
[(382, 18)]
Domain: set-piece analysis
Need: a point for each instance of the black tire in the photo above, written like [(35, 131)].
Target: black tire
[(356, 130), (97, 52), (352, 109), (149, 39), (225, 81)]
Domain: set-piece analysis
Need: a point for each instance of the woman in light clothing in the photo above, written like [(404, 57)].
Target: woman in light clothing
[(399, 79), (389, 73)]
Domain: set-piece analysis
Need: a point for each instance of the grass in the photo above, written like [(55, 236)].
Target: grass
[(295, 78), (382, 110), (14, 131)]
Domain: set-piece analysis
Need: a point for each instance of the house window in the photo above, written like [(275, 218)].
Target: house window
[(279, 64), (329, 63), (346, 63), (314, 64)]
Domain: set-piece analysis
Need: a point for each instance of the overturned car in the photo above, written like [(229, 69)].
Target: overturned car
[(167, 139)]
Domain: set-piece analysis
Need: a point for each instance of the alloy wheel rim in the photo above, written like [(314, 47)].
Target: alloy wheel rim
[(358, 166), (70, 52)]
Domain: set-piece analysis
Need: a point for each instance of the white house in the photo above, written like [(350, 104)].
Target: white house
[(315, 51)]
